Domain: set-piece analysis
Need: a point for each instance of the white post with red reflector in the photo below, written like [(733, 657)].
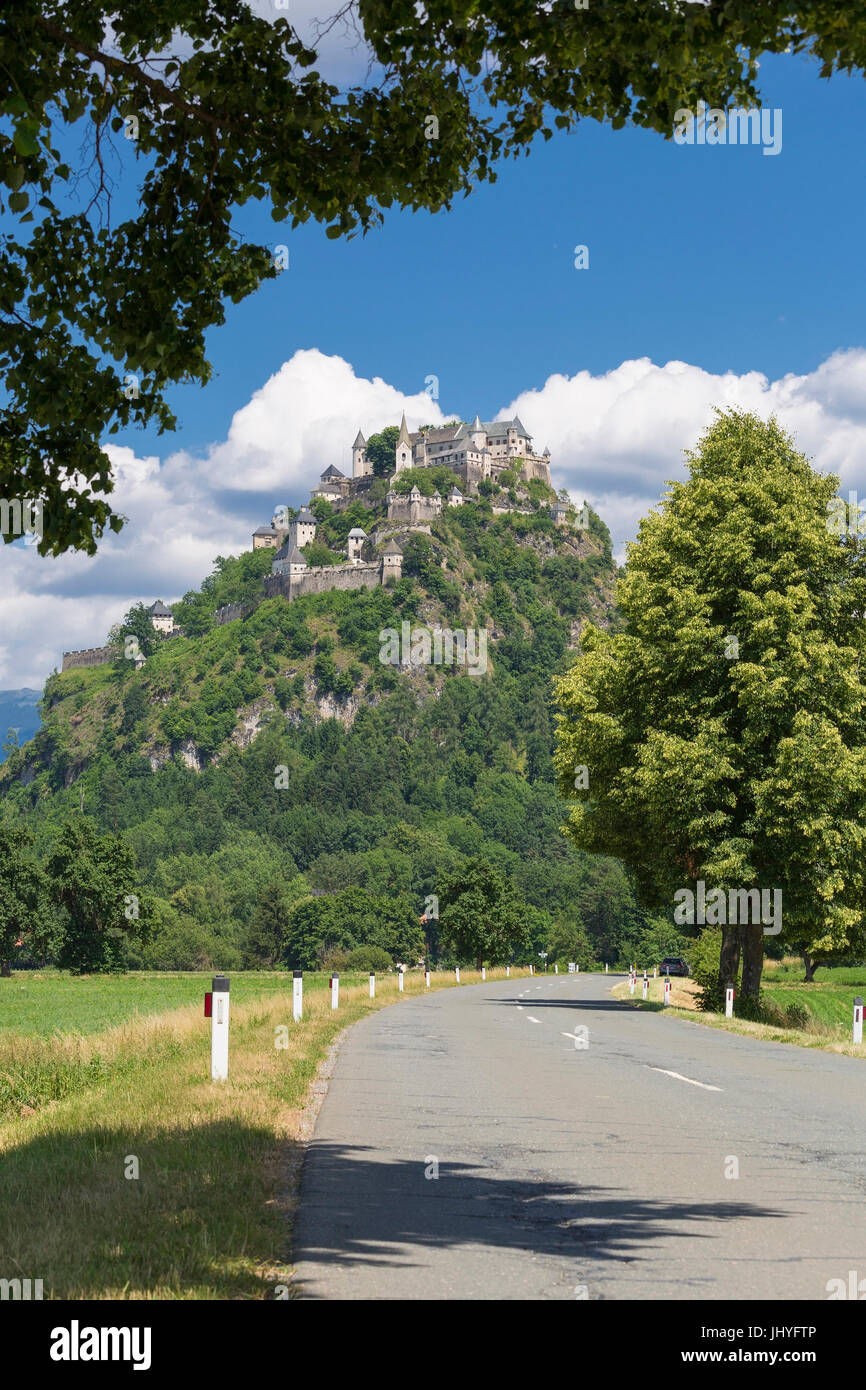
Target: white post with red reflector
[(297, 995), (219, 1028), (858, 1019), (457, 973), (667, 990), (729, 1002), (335, 991)]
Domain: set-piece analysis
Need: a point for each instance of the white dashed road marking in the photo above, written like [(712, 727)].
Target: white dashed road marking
[(676, 1075)]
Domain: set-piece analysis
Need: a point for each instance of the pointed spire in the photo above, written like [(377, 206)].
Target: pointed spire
[(477, 425), (403, 436), (360, 442)]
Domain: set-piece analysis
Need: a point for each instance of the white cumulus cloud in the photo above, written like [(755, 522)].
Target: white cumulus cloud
[(615, 439)]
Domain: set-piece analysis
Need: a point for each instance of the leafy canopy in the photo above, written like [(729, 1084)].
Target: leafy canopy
[(221, 106), (722, 731)]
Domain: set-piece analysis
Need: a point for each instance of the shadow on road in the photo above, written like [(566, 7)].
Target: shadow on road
[(532, 1001), (355, 1211)]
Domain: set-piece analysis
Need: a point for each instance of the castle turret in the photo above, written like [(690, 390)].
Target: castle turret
[(360, 466), (392, 563), (403, 448), (354, 544)]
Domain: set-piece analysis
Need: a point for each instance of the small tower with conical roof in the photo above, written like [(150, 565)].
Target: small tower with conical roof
[(361, 468), (403, 448)]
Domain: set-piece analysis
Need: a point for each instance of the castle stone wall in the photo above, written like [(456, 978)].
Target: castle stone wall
[(89, 656), (323, 577), (231, 611)]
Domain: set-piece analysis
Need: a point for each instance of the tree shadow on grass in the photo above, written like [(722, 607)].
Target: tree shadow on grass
[(208, 1212)]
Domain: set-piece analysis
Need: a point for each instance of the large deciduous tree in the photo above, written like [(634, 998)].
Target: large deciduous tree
[(25, 913), (722, 732), (481, 916), (94, 882), (220, 106)]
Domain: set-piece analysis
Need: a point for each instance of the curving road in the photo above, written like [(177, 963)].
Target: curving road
[(571, 1171)]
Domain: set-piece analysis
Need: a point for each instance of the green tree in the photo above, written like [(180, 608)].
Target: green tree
[(481, 917), (25, 915), (721, 732), (221, 106), (94, 882), (135, 627), (380, 450)]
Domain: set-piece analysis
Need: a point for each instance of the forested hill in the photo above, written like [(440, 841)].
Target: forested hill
[(274, 760)]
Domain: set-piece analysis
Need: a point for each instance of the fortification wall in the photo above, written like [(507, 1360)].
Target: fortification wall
[(89, 656), (231, 611), (323, 577)]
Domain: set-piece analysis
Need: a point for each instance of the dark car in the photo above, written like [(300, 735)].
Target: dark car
[(674, 965)]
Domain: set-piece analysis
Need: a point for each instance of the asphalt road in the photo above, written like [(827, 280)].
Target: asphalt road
[(570, 1172)]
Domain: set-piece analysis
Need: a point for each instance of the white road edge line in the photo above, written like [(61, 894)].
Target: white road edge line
[(530, 1019), (676, 1075)]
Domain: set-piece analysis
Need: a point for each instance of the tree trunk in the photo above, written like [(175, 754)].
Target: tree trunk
[(5, 970), (753, 959), (811, 966), (479, 964), (729, 963)]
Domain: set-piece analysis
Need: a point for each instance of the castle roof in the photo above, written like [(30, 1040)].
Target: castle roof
[(360, 442), (455, 489), (265, 531), (159, 610), (451, 433), (392, 548), (306, 516), (403, 436), (357, 534), (332, 472), (546, 453), (296, 558), (476, 424)]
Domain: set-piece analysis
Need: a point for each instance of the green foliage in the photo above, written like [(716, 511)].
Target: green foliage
[(381, 449), (95, 885), (481, 917), (372, 958), (723, 727)]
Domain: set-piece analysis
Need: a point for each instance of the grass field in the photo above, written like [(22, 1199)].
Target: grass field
[(209, 1214), (42, 1002), (828, 999)]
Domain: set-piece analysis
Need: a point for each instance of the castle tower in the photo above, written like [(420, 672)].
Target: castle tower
[(354, 544), (361, 468), (392, 562), (403, 449), (478, 434)]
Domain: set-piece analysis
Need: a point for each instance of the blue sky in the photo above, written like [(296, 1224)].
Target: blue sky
[(717, 276), (723, 257)]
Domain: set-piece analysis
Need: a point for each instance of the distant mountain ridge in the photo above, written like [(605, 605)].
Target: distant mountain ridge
[(19, 710)]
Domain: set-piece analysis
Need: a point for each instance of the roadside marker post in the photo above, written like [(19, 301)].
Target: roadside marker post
[(484, 972), (645, 986), (729, 1002), (297, 995), (457, 973), (655, 972), (508, 972), (400, 978), (219, 1029), (335, 991), (605, 969), (372, 984), (631, 984), (858, 1019), (667, 990), (426, 979), (577, 968), (556, 969), (531, 968)]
